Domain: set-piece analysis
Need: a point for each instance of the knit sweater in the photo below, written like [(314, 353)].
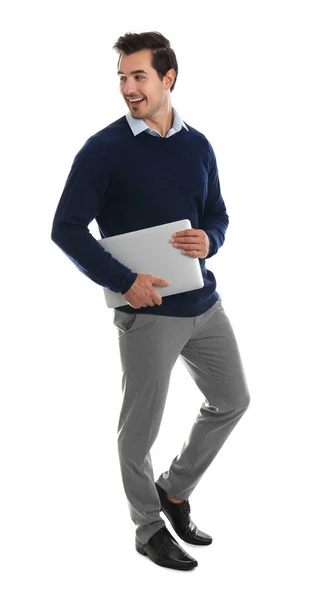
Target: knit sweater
[(127, 180)]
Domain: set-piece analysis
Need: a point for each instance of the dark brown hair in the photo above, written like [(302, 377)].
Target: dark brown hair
[(163, 57)]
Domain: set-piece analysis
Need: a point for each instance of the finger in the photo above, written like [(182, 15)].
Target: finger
[(189, 240), (194, 254), (195, 246), (186, 232)]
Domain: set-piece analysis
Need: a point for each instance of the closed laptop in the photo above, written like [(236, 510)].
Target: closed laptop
[(149, 251)]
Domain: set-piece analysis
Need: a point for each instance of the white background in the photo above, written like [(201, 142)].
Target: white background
[(250, 78)]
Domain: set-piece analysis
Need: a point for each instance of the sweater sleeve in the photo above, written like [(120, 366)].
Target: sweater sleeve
[(215, 220), (80, 202)]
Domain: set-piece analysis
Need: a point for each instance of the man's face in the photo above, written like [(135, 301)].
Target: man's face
[(145, 84)]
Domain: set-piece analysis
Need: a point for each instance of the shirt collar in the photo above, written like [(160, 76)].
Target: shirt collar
[(139, 125)]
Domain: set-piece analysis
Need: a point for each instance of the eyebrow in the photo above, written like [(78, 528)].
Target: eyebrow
[(133, 72)]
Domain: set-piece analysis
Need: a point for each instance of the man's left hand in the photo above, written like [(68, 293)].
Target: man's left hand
[(194, 242)]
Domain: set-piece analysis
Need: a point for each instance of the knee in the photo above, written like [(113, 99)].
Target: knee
[(245, 403), (242, 401)]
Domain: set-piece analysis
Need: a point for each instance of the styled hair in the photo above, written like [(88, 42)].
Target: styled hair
[(163, 57)]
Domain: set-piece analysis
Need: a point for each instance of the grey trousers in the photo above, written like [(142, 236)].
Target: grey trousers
[(149, 347)]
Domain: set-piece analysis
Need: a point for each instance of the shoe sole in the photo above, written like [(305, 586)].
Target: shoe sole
[(167, 563)]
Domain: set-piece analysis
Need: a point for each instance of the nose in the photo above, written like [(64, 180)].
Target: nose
[(129, 88)]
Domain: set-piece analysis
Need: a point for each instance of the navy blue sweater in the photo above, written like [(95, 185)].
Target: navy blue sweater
[(128, 182)]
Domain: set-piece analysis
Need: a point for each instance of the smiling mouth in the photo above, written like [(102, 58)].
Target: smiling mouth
[(135, 103)]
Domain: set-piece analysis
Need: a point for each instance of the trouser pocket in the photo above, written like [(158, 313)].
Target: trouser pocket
[(124, 321)]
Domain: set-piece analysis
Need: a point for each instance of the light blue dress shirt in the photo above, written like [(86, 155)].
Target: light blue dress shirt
[(139, 125)]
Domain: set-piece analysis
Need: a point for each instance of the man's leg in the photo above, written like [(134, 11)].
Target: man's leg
[(149, 347), (212, 358)]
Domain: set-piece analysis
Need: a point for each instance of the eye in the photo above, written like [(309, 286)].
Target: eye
[(137, 76)]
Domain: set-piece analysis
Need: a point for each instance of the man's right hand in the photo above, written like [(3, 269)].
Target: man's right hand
[(142, 292)]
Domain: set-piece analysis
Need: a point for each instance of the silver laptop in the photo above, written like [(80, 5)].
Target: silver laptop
[(149, 251)]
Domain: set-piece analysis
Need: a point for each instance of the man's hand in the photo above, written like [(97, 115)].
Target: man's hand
[(142, 292), (195, 242)]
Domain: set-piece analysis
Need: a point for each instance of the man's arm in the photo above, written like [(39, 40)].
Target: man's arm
[(215, 220), (80, 202)]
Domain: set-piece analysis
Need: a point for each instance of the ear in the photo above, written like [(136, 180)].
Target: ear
[(170, 77)]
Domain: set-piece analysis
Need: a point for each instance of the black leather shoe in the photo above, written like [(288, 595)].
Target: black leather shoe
[(179, 517), (165, 551)]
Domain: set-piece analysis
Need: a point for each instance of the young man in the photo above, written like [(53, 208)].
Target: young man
[(145, 169)]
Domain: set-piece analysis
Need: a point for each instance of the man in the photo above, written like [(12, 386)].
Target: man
[(145, 169)]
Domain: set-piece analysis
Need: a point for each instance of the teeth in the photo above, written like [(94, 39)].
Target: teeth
[(135, 100)]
